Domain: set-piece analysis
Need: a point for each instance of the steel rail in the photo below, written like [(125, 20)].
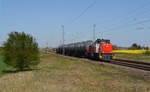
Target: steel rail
[(132, 64)]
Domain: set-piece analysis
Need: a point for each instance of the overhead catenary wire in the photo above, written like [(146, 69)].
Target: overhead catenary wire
[(84, 11), (122, 26), (127, 24), (128, 16), (117, 25)]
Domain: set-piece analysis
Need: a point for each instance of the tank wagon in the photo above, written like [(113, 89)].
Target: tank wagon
[(100, 49)]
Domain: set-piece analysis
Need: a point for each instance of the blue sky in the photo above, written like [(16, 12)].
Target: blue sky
[(122, 21)]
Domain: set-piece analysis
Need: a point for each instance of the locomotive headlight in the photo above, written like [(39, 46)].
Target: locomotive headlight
[(100, 57)]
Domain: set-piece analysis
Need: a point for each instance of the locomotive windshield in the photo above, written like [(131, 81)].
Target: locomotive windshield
[(101, 41)]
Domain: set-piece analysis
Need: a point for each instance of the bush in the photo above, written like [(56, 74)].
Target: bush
[(21, 51), (0, 49)]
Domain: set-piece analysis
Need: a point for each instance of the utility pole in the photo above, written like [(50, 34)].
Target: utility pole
[(94, 26), (63, 39)]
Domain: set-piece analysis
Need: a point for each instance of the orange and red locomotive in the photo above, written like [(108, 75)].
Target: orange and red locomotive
[(100, 49)]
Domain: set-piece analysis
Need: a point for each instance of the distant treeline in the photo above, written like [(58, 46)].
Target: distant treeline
[(134, 46)]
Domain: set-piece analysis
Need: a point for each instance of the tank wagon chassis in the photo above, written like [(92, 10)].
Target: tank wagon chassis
[(101, 49)]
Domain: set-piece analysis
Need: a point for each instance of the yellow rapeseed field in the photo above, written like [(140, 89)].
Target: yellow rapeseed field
[(132, 51)]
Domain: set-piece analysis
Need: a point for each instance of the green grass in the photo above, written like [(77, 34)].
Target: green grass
[(62, 74), (134, 57)]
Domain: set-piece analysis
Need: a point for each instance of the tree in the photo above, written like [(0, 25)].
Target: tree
[(21, 51), (135, 47)]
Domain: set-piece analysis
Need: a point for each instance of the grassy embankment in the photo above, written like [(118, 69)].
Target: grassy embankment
[(62, 74)]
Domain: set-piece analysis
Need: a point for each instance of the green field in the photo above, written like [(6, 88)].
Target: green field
[(134, 57), (62, 74)]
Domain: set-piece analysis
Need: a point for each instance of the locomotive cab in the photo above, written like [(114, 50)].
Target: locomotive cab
[(106, 50)]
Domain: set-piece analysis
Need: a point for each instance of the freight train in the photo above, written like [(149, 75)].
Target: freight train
[(101, 49)]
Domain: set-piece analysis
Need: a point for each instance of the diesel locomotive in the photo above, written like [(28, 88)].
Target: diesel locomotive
[(100, 49)]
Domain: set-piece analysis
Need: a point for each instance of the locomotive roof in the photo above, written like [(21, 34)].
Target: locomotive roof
[(102, 40), (84, 42)]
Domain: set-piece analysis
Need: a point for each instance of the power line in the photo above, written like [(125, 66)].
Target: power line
[(84, 11), (122, 26), (128, 16), (126, 24)]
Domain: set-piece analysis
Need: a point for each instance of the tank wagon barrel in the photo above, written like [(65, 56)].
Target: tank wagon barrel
[(89, 48), (76, 49)]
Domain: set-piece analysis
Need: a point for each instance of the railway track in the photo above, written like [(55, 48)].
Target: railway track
[(132, 67), (126, 63), (132, 64)]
